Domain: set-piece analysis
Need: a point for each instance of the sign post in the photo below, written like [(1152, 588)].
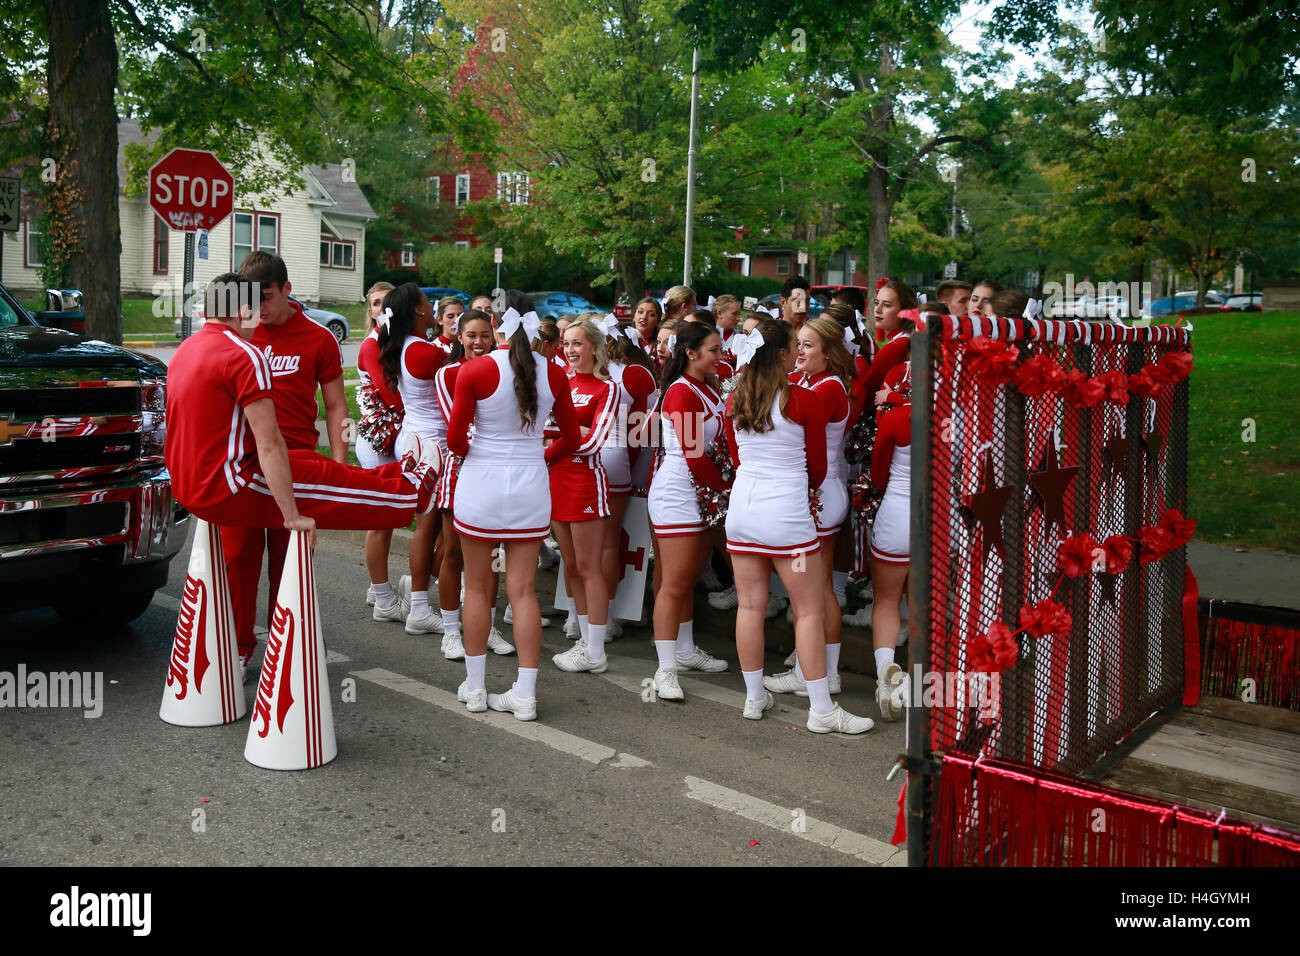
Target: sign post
[(11, 190), (190, 190), (496, 257)]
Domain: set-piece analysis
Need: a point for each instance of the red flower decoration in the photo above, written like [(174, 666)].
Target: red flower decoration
[(1157, 542), (1115, 387), (1045, 617), (880, 283), (1076, 555), (1039, 375), (1180, 529), (1118, 551), (993, 652), (1145, 384), (1079, 391), (1176, 366), (994, 361)]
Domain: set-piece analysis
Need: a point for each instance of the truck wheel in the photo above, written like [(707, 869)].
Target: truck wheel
[(111, 611)]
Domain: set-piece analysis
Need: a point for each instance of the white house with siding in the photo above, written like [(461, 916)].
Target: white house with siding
[(319, 231)]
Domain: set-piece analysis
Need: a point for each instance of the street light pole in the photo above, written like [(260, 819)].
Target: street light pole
[(690, 170)]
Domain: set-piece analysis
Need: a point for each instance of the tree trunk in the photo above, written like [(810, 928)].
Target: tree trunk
[(84, 230), (631, 267), (878, 224)]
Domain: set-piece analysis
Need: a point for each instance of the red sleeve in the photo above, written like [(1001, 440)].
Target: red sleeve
[(895, 429), (679, 404), (732, 446), (860, 394), (565, 415), (423, 360), (476, 380), (891, 355), (806, 408), (640, 384), (834, 400), (329, 357), (368, 362), (248, 375), (601, 423), (445, 380), (724, 370)]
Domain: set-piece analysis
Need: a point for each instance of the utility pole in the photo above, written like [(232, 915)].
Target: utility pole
[(690, 170)]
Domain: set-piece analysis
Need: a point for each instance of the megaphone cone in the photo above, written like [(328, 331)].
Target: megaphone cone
[(204, 687), (293, 725)]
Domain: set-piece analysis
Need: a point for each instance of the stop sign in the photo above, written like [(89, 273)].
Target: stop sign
[(190, 189)]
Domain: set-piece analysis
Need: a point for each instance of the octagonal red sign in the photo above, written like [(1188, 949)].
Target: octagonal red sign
[(190, 189)]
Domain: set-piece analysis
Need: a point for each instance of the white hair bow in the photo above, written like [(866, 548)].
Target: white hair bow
[(850, 344), (770, 310), (382, 319), (632, 334), (1033, 308), (609, 324), (920, 297), (709, 305), (512, 321), (746, 347), (672, 341)]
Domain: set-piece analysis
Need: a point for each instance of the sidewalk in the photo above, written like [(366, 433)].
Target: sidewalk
[(1226, 573)]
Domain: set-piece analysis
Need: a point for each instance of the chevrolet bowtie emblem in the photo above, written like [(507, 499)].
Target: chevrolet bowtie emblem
[(9, 431)]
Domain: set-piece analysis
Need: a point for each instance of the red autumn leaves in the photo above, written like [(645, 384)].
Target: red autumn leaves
[(994, 362)]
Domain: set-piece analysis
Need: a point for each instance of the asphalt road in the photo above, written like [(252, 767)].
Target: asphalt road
[(602, 777)]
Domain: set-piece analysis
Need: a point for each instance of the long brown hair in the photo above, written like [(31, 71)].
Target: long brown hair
[(762, 380), (623, 350), (838, 360), (692, 336), (522, 362), (906, 300), (403, 301)]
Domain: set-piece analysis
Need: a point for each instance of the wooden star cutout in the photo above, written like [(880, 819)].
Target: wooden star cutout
[(987, 506), (1118, 450), (1154, 442), (1108, 582), (1051, 485)]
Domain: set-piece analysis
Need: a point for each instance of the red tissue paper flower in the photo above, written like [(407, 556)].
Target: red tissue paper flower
[(1075, 555), (1079, 391), (1039, 375), (994, 361), (1175, 366), (993, 652), (1180, 528), (1157, 543), (1115, 385), (1045, 617), (1118, 551), (1145, 384)]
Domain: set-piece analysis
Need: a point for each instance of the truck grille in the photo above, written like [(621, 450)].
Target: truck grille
[(81, 428)]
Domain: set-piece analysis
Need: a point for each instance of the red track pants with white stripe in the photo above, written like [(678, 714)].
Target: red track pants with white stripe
[(339, 497)]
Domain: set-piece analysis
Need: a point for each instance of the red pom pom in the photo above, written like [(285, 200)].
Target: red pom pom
[(1076, 555), (1175, 366), (1114, 387), (994, 361), (993, 652), (1157, 542), (1180, 529), (1039, 375), (1045, 617), (1144, 384), (1079, 391), (1118, 551)]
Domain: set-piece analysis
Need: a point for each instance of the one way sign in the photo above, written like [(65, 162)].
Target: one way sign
[(10, 191)]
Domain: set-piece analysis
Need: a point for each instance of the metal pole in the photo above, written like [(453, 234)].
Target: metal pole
[(690, 170), (187, 293), (498, 285)]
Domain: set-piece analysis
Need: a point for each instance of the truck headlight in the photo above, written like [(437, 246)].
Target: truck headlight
[(153, 411)]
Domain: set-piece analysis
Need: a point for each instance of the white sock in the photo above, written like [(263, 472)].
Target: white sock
[(526, 683), (819, 696), (384, 595), (667, 651), (584, 625), (595, 639), (754, 689), (573, 610), (832, 659), (475, 671), (450, 620), (884, 657), (798, 671), (839, 581), (419, 603), (492, 619), (686, 638)]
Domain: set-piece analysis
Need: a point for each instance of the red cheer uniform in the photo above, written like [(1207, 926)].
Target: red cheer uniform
[(579, 483)]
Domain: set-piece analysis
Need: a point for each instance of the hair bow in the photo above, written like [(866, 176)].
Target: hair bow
[(672, 341), (709, 305), (913, 314), (512, 321), (747, 346), (1033, 308), (609, 324), (850, 344), (920, 297), (632, 334), (382, 319), (770, 310)]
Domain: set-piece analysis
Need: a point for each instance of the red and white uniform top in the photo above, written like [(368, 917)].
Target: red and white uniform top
[(895, 352), (729, 340), (689, 421), (444, 343), (834, 397), (595, 401), (485, 398), (416, 369), (303, 356), (636, 385), (210, 449), (370, 371), (891, 469)]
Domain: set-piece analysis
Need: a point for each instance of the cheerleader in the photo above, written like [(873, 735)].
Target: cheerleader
[(679, 302), (474, 339), (777, 436), (825, 367), (449, 313), (580, 495), (502, 494), (690, 418), (377, 403), (629, 369), (645, 323), (409, 362), (895, 317), (890, 551), (726, 316), (664, 339)]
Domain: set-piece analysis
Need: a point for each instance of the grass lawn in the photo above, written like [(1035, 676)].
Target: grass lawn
[(1241, 491)]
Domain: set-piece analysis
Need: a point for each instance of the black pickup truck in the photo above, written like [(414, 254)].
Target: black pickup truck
[(88, 523)]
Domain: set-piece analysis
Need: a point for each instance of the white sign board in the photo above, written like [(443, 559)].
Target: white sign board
[(634, 545), (496, 255), (10, 191), (950, 271), (803, 257), (202, 245)]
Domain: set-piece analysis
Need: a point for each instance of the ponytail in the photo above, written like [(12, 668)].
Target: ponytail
[(522, 362), (403, 302)]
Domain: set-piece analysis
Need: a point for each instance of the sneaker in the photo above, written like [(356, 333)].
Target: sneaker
[(404, 592), (701, 660), (710, 578), (754, 708), (666, 686), (612, 630), (393, 612), (421, 462), (838, 721), (370, 595), (774, 605), (498, 644), (430, 623), (475, 701), (725, 600), (572, 630), (794, 656), (787, 682), (453, 648), (523, 708), (859, 618), (548, 556), (891, 691), (510, 617), (575, 660)]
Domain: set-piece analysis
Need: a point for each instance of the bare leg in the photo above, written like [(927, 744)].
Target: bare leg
[(521, 590), (753, 576), (378, 544), (453, 565), (802, 577)]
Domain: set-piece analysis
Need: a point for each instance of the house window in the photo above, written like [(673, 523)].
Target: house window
[(338, 254), (160, 240), (462, 188), (783, 265), (33, 248), (408, 255), (254, 230), (512, 188), (433, 190), (462, 243)]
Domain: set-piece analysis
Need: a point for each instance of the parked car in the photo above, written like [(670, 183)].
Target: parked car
[(337, 324), (1170, 304), (825, 292), (552, 305), (434, 293), (1244, 302), (773, 301), (1212, 296), (88, 523)]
